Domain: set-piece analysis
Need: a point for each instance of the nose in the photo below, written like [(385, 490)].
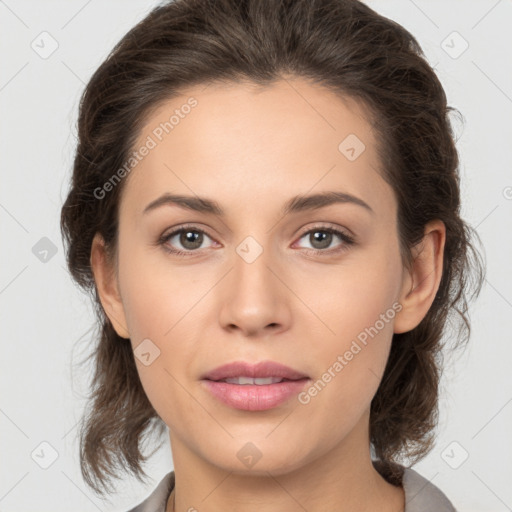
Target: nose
[(254, 297)]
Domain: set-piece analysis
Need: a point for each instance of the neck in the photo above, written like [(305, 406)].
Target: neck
[(343, 479)]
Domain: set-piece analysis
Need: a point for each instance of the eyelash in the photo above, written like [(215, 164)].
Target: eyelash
[(347, 239)]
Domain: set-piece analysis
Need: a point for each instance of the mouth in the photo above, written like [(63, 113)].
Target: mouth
[(257, 381), (254, 387), (249, 373)]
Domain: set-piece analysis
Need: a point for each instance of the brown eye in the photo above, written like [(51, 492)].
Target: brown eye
[(321, 239), (184, 240), (191, 239)]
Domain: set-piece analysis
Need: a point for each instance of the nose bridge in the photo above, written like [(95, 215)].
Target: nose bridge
[(253, 297), (251, 263)]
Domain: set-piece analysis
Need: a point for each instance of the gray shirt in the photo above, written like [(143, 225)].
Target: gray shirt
[(420, 495)]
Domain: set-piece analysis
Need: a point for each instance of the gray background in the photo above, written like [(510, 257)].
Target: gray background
[(46, 321)]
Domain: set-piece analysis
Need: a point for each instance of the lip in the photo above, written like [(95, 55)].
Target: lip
[(252, 397), (261, 369)]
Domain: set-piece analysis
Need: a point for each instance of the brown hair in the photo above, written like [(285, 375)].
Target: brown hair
[(342, 45)]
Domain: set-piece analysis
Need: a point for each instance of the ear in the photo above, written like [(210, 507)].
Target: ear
[(107, 286), (421, 282)]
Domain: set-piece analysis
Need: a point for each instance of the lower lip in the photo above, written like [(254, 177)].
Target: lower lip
[(251, 397)]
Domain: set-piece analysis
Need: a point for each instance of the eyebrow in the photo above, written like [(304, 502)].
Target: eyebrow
[(294, 205)]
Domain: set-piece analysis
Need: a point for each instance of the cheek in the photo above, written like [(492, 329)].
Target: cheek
[(156, 295), (347, 299), (158, 302), (355, 311)]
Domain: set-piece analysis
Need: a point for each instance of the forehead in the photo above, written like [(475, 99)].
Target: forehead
[(290, 136)]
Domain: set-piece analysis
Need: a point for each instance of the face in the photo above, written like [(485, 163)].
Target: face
[(315, 286)]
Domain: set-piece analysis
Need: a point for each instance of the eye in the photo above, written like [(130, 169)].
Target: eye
[(190, 238), (322, 237), (186, 240)]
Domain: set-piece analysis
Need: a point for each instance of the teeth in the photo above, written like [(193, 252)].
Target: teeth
[(249, 380)]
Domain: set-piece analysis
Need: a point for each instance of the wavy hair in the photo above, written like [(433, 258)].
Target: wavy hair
[(340, 44)]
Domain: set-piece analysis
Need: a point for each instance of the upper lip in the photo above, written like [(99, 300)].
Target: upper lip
[(258, 370)]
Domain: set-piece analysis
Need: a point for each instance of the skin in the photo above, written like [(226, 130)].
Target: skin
[(252, 149)]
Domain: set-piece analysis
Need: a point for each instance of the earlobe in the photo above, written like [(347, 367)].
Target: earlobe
[(107, 286), (421, 282)]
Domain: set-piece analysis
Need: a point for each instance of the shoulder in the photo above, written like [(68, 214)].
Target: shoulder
[(422, 495), (157, 500)]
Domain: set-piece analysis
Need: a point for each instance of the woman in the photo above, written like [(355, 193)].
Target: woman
[(265, 204)]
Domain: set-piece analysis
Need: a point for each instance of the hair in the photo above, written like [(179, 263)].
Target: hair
[(342, 45)]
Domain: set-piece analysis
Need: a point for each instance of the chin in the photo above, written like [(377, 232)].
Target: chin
[(257, 458)]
